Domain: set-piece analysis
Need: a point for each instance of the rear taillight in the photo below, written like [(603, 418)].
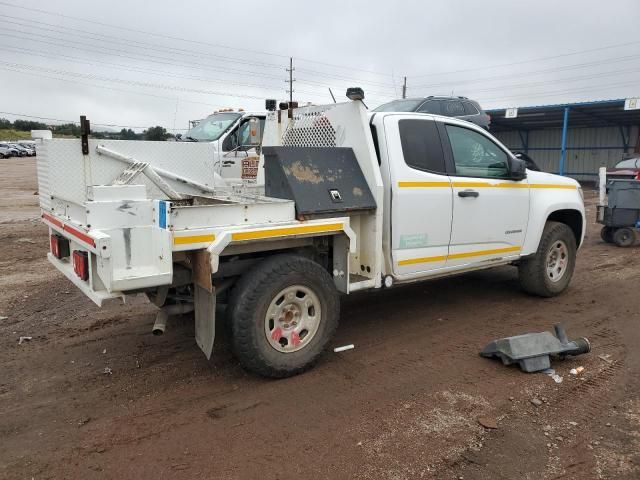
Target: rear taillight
[(59, 246), (81, 264)]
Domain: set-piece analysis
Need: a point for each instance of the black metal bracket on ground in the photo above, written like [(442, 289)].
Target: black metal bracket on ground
[(533, 351)]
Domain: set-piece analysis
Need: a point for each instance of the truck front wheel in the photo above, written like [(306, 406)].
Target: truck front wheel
[(549, 271), (282, 314)]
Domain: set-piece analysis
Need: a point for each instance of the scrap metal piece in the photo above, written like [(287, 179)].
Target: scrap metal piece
[(532, 351)]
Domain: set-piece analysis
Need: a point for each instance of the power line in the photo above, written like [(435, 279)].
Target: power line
[(126, 54), (117, 52), (128, 42), (539, 59), (127, 82), (74, 122), (558, 80), (534, 72), (105, 87), (171, 37), (559, 92), (133, 69)]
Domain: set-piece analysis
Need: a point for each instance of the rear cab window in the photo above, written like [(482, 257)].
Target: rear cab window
[(421, 145)]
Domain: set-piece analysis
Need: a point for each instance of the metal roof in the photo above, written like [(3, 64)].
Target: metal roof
[(600, 113)]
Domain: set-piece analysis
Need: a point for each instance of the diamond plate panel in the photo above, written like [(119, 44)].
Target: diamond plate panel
[(42, 170), (310, 127), (70, 172)]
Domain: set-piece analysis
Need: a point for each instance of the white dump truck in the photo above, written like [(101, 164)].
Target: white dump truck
[(353, 201), (233, 136)]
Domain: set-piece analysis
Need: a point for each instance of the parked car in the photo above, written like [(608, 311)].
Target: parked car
[(31, 148), (5, 152), (22, 152), (459, 107), (13, 152), (626, 169)]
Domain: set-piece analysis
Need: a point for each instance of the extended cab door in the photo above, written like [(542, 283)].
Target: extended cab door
[(490, 211), (421, 195)]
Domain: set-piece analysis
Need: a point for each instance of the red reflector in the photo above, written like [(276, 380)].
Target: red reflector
[(59, 246), (81, 264)]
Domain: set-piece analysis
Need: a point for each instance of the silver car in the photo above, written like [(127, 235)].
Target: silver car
[(459, 107)]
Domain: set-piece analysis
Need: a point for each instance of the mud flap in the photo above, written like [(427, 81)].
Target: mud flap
[(205, 306)]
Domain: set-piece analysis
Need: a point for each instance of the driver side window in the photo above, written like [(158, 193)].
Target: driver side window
[(475, 155)]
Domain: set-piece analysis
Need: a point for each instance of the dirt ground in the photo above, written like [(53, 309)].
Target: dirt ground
[(406, 403)]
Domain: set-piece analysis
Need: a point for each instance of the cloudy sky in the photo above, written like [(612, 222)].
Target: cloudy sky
[(140, 63)]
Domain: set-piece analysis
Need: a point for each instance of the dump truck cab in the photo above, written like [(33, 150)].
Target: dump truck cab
[(235, 136)]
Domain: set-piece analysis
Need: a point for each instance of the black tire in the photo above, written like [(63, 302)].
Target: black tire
[(624, 237), (253, 295), (532, 271), (607, 234)]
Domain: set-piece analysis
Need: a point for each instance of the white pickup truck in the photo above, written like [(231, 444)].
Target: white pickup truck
[(354, 201)]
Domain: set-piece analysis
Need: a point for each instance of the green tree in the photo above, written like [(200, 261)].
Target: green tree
[(26, 125), (67, 129), (128, 134), (5, 124), (156, 133)]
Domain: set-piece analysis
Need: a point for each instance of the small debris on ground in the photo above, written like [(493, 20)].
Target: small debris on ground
[(21, 340), (536, 401), (552, 373), (25, 240), (576, 371), (84, 421), (107, 371), (573, 424), (488, 422), (3, 318), (104, 351), (344, 348), (602, 356)]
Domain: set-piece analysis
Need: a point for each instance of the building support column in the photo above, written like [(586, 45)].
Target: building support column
[(563, 146)]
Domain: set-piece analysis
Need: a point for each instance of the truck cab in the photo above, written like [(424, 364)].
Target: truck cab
[(458, 198), (236, 159)]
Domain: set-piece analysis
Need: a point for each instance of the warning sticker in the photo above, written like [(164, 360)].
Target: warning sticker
[(250, 168)]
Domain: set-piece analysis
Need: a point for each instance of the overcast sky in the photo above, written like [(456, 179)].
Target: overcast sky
[(140, 63)]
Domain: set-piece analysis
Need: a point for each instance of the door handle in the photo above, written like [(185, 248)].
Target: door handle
[(469, 193)]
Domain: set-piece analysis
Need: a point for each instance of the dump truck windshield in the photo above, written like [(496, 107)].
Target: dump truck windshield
[(212, 127)]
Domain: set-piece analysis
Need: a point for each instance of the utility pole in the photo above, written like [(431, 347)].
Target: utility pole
[(404, 88), (291, 79)]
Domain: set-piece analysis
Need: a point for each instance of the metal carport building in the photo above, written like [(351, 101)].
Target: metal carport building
[(572, 139)]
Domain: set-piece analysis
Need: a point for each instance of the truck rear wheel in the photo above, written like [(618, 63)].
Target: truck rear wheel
[(549, 271), (282, 314)]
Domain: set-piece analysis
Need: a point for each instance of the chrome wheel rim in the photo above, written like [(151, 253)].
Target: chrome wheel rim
[(557, 261), (292, 319)]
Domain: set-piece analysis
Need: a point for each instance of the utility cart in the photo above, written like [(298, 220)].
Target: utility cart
[(620, 217)]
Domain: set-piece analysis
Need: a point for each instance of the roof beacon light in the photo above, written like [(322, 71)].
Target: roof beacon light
[(355, 93)]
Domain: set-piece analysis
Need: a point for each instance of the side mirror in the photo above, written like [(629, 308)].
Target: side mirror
[(518, 169)]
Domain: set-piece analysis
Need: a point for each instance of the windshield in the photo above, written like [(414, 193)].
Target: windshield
[(400, 106), (212, 127)]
